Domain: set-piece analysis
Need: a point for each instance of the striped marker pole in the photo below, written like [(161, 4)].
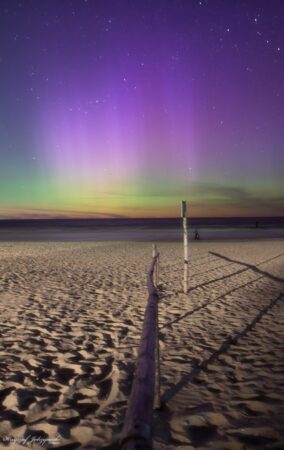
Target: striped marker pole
[(185, 245)]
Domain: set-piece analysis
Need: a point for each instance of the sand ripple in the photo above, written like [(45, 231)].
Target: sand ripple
[(71, 316)]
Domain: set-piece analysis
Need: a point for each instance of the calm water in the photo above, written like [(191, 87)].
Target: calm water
[(140, 229)]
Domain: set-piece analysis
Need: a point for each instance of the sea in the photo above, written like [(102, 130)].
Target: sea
[(141, 229)]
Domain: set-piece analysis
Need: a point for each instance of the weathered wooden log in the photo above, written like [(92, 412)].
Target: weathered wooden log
[(136, 433)]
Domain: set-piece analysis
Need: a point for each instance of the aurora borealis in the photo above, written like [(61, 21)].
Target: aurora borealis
[(121, 108)]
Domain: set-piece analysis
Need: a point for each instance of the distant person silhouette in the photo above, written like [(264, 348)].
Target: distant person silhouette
[(196, 235)]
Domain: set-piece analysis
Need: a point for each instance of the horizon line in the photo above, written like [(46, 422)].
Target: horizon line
[(4, 219)]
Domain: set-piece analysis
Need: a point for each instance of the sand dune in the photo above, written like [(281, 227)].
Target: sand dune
[(71, 316)]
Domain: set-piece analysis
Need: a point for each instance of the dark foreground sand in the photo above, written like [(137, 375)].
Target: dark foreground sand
[(71, 316)]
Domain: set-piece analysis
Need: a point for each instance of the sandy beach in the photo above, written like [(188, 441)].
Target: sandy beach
[(71, 317)]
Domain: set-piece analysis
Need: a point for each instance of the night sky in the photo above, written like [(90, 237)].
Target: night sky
[(122, 108)]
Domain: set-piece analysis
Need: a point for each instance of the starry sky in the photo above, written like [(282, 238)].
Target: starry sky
[(122, 108)]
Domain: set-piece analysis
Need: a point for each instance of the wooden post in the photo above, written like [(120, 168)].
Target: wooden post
[(154, 254), (158, 374), (185, 245), (136, 432)]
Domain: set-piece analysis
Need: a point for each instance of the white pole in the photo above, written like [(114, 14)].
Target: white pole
[(185, 245)]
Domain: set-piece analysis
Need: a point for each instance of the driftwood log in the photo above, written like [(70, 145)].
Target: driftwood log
[(136, 433)]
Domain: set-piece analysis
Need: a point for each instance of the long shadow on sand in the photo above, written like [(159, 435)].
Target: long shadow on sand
[(209, 302), (232, 261), (247, 267), (252, 267), (170, 393)]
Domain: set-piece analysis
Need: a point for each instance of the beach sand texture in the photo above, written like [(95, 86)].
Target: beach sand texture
[(71, 318)]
